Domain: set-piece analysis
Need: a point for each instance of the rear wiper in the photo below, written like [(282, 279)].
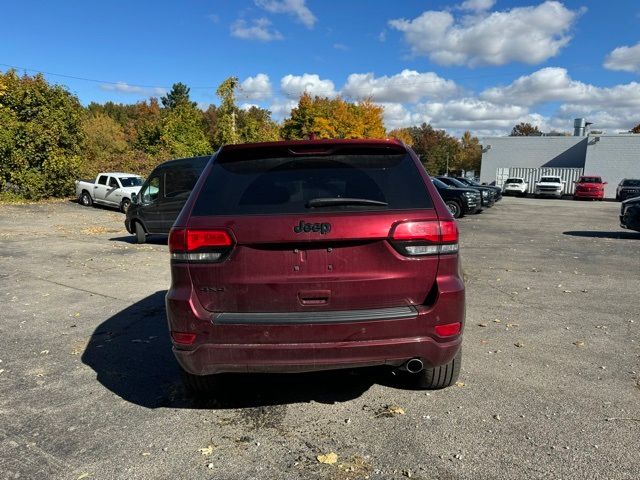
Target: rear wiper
[(337, 201)]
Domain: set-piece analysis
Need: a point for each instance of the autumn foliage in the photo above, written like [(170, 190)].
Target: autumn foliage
[(48, 139)]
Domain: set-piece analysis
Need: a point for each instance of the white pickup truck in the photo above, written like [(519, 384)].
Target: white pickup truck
[(112, 189), (549, 185)]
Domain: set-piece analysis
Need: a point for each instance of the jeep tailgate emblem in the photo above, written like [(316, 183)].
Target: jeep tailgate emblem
[(323, 228)]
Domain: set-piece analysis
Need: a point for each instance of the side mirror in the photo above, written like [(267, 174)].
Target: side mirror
[(604, 183), (134, 198)]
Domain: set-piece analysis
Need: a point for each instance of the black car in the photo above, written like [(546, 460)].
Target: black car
[(628, 188), (487, 194), (162, 196), (459, 201), (630, 214), (473, 184)]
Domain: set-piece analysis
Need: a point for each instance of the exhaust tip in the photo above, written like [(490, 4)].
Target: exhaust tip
[(414, 365)]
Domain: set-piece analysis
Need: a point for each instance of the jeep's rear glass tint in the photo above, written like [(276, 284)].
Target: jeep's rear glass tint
[(514, 180), (287, 184)]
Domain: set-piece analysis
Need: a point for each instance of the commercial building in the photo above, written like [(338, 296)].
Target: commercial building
[(613, 157)]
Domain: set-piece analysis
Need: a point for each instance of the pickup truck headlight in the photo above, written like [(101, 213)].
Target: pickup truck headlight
[(469, 194), (485, 193)]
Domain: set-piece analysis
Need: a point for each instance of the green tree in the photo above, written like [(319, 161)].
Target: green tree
[(256, 125), (40, 135), (182, 132), (178, 95), (227, 131), (105, 145), (438, 151), (524, 129), (470, 154)]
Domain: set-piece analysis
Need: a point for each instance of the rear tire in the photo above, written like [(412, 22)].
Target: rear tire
[(124, 206), (454, 208), (141, 235), (85, 199), (199, 384), (442, 376)]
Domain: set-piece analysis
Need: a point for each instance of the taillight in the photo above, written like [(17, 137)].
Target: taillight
[(199, 245), (431, 237)]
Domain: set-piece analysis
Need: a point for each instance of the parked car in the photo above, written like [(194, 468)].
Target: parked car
[(473, 184), (628, 188), (549, 186), (162, 196), (589, 187), (315, 255), (110, 188), (515, 186), (630, 214), (487, 194), (459, 201)]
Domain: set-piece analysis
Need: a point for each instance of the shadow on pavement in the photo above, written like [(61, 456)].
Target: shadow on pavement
[(151, 239), (616, 235), (131, 355)]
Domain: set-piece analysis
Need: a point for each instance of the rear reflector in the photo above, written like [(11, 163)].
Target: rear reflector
[(448, 330), (183, 338), (427, 237)]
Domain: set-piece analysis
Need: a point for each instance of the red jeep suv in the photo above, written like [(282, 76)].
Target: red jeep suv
[(313, 255), (589, 187)]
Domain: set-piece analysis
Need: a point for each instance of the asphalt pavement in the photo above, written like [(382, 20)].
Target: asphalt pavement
[(550, 382)]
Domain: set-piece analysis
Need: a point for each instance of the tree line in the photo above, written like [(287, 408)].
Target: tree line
[(48, 138)]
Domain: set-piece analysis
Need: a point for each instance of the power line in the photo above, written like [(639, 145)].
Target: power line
[(290, 92)]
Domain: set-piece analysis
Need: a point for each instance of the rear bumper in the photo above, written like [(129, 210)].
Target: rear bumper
[(549, 193), (307, 357), (300, 347), (588, 195)]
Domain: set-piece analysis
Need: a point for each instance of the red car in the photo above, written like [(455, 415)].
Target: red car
[(589, 187), (315, 255)]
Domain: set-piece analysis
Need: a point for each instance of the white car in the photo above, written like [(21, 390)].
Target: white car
[(549, 185), (112, 189), (515, 186)]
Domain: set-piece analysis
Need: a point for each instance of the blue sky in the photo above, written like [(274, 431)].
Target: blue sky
[(476, 64)]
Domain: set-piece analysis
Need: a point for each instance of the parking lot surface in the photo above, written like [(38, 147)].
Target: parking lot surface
[(550, 382)]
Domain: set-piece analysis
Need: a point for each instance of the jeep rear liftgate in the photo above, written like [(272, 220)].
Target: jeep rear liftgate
[(313, 232)]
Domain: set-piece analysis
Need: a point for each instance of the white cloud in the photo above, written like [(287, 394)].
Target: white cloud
[(280, 108), (524, 34), (256, 88), (296, 8), (555, 85), (340, 46), (295, 85), (406, 86), (624, 58), (477, 5), (123, 87), (259, 29)]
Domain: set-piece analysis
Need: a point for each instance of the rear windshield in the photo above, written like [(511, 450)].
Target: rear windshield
[(514, 180), (631, 183), (179, 181), (590, 180), (287, 185), (130, 181)]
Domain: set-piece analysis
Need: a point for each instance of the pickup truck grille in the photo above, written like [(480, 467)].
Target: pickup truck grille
[(547, 189)]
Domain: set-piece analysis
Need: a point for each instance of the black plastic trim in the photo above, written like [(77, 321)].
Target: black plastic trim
[(340, 316)]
